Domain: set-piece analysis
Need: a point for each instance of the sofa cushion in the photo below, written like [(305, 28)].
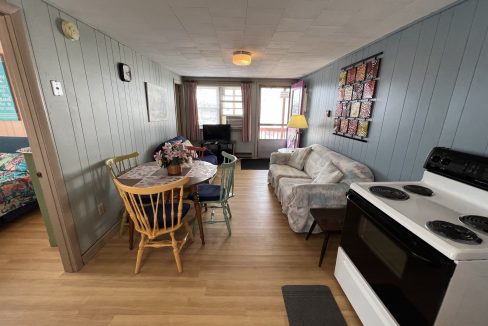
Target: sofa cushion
[(315, 161), (329, 174), (285, 186), (298, 157), (278, 171)]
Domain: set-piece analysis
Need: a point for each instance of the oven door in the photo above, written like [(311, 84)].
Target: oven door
[(408, 275)]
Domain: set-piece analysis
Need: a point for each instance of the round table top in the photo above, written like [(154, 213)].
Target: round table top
[(150, 174)]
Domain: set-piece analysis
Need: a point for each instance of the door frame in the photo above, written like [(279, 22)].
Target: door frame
[(25, 82), (274, 84)]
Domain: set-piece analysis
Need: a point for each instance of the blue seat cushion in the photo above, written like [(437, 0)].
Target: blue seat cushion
[(210, 158), (207, 192), (167, 208)]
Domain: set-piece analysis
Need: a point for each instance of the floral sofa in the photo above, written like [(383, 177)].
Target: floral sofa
[(297, 192)]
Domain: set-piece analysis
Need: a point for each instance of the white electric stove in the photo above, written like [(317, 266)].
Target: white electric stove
[(416, 253)]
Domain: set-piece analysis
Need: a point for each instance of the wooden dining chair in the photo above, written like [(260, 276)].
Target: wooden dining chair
[(217, 196), (197, 152), (164, 215), (117, 166)]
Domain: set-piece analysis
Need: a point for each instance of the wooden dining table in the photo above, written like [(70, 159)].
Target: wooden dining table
[(150, 174)]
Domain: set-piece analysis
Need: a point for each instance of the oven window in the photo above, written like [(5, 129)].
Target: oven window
[(384, 248)]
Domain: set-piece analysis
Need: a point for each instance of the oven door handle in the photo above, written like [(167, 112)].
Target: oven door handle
[(410, 246), (423, 258)]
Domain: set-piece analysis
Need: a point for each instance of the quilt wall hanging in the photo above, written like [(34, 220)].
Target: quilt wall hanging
[(355, 99)]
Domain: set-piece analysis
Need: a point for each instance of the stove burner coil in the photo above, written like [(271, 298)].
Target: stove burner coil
[(419, 190), (454, 232), (476, 221), (389, 192)]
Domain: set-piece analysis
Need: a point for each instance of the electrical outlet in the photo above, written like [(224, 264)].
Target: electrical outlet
[(101, 209)]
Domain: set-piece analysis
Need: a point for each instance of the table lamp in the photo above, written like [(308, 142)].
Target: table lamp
[(297, 121)]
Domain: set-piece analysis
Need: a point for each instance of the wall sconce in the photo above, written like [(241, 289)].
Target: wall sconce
[(327, 113)]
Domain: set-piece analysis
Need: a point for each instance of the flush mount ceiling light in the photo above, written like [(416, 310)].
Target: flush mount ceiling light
[(241, 58)]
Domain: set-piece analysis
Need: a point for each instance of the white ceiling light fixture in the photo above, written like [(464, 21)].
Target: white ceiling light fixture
[(241, 58)]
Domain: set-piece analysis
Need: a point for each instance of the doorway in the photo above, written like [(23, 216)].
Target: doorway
[(273, 118), (27, 100)]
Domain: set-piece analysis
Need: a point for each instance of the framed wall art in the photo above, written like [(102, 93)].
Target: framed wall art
[(156, 108), (357, 87)]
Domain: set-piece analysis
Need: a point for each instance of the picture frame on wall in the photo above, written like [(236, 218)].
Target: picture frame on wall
[(155, 99)]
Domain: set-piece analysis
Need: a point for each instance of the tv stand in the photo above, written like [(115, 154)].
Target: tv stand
[(219, 146)]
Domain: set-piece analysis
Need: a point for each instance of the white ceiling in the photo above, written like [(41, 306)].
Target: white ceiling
[(288, 38)]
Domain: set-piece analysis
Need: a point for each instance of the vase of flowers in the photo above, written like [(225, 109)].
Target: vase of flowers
[(172, 156)]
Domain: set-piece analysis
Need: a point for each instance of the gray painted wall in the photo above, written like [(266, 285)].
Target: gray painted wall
[(99, 116), (433, 91)]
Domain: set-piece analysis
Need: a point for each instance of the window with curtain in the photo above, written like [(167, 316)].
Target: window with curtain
[(220, 105)]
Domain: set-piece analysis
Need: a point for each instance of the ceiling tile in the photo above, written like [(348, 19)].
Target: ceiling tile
[(288, 38)]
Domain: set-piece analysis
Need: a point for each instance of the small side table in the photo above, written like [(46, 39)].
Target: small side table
[(329, 220), (286, 150)]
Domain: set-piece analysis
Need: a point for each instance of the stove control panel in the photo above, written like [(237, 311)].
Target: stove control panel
[(464, 167)]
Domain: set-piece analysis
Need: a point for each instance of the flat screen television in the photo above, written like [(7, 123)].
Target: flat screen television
[(216, 132)]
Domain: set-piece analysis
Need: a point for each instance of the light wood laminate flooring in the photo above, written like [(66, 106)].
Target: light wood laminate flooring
[(230, 281)]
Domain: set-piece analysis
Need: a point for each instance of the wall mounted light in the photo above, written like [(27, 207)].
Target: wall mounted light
[(70, 30), (241, 58)]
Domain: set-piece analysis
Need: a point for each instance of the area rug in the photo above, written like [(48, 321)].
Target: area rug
[(255, 164), (310, 305)]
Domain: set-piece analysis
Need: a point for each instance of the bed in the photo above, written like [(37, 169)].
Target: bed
[(17, 194)]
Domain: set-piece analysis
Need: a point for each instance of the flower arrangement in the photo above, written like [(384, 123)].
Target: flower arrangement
[(172, 154)]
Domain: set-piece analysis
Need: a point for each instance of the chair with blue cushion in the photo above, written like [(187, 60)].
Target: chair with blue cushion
[(217, 196), (165, 214)]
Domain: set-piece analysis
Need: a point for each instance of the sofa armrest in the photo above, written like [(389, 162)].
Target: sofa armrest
[(328, 195), (279, 158)]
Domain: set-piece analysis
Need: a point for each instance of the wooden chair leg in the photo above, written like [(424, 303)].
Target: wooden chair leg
[(226, 217), (228, 210), (176, 252), (324, 247), (188, 229), (139, 254), (123, 222), (131, 234), (311, 230)]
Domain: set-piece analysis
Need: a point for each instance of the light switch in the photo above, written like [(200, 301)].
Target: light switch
[(57, 89)]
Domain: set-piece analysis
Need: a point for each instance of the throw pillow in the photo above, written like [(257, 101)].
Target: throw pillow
[(298, 157), (329, 174)]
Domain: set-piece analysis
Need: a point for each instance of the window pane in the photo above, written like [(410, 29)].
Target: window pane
[(229, 98), (228, 105), (208, 105), (228, 111), (272, 132), (238, 112), (274, 106)]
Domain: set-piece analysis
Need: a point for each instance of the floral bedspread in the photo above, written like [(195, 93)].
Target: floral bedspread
[(16, 190)]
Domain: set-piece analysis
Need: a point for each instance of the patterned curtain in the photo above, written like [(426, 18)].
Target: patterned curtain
[(246, 106), (192, 127)]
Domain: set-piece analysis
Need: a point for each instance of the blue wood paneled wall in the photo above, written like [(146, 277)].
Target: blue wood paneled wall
[(433, 91), (99, 116)]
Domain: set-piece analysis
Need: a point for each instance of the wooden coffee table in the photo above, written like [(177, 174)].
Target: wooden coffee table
[(329, 220)]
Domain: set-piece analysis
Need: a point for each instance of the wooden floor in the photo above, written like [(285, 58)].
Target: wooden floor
[(230, 281)]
